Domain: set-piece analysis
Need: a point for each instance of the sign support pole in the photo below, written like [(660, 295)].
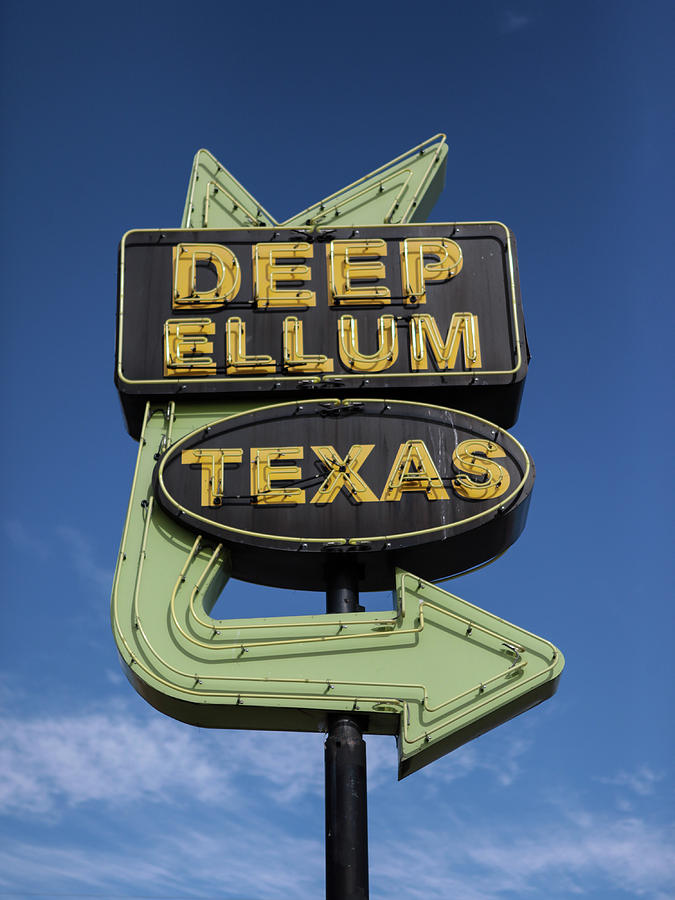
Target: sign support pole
[(345, 767)]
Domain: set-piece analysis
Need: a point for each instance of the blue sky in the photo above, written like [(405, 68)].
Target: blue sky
[(557, 117)]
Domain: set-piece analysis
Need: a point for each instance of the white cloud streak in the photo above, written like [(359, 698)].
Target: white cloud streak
[(512, 21), (49, 763), (236, 861), (131, 770), (555, 860), (81, 556), (235, 855), (25, 541), (503, 762), (642, 782), (79, 551)]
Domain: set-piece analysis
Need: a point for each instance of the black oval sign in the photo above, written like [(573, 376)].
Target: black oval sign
[(289, 486)]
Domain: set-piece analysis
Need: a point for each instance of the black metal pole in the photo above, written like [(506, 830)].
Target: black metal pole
[(346, 787)]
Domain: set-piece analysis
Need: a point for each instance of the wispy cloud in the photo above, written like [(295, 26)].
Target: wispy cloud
[(114, 676), (491, 862), (50, 764), (25, 540), (512, 21), (148, 772), (642, 782), (79, 551), (502, 762), (82, 558), (249, 855), (234, 860)]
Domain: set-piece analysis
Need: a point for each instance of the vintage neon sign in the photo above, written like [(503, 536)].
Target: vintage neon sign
[(250, 359)]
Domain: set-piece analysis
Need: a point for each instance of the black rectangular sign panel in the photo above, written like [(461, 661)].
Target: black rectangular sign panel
[(430, 313)]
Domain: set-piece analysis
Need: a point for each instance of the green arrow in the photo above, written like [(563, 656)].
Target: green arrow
[(436, 671), (401, 191)]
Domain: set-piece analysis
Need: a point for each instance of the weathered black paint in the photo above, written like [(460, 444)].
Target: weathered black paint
[(345, 771), (271, 544), (483, 287)]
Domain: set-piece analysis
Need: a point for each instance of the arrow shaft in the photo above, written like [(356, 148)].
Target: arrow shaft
[(433, 671)]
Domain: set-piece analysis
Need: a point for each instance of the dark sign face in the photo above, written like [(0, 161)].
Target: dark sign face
[(424, 312), (389, 483)]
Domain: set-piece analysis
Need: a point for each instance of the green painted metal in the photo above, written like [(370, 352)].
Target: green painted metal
[(401, 191), (436, 671), (215, 199)]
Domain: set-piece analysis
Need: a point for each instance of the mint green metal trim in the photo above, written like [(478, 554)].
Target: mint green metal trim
[(240, 202), (439, 153), (556, 662), (329, 208)]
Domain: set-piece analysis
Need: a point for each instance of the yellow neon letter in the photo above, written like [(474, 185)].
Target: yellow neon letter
[(348, 343), (294, 355), (263, 473), (268, 274), (473, 457), (350, 261), (181, 339), (213, 464), (343, 473), (237, 362), (187, 258), (463, 325), (415, 273), (414, 470)]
